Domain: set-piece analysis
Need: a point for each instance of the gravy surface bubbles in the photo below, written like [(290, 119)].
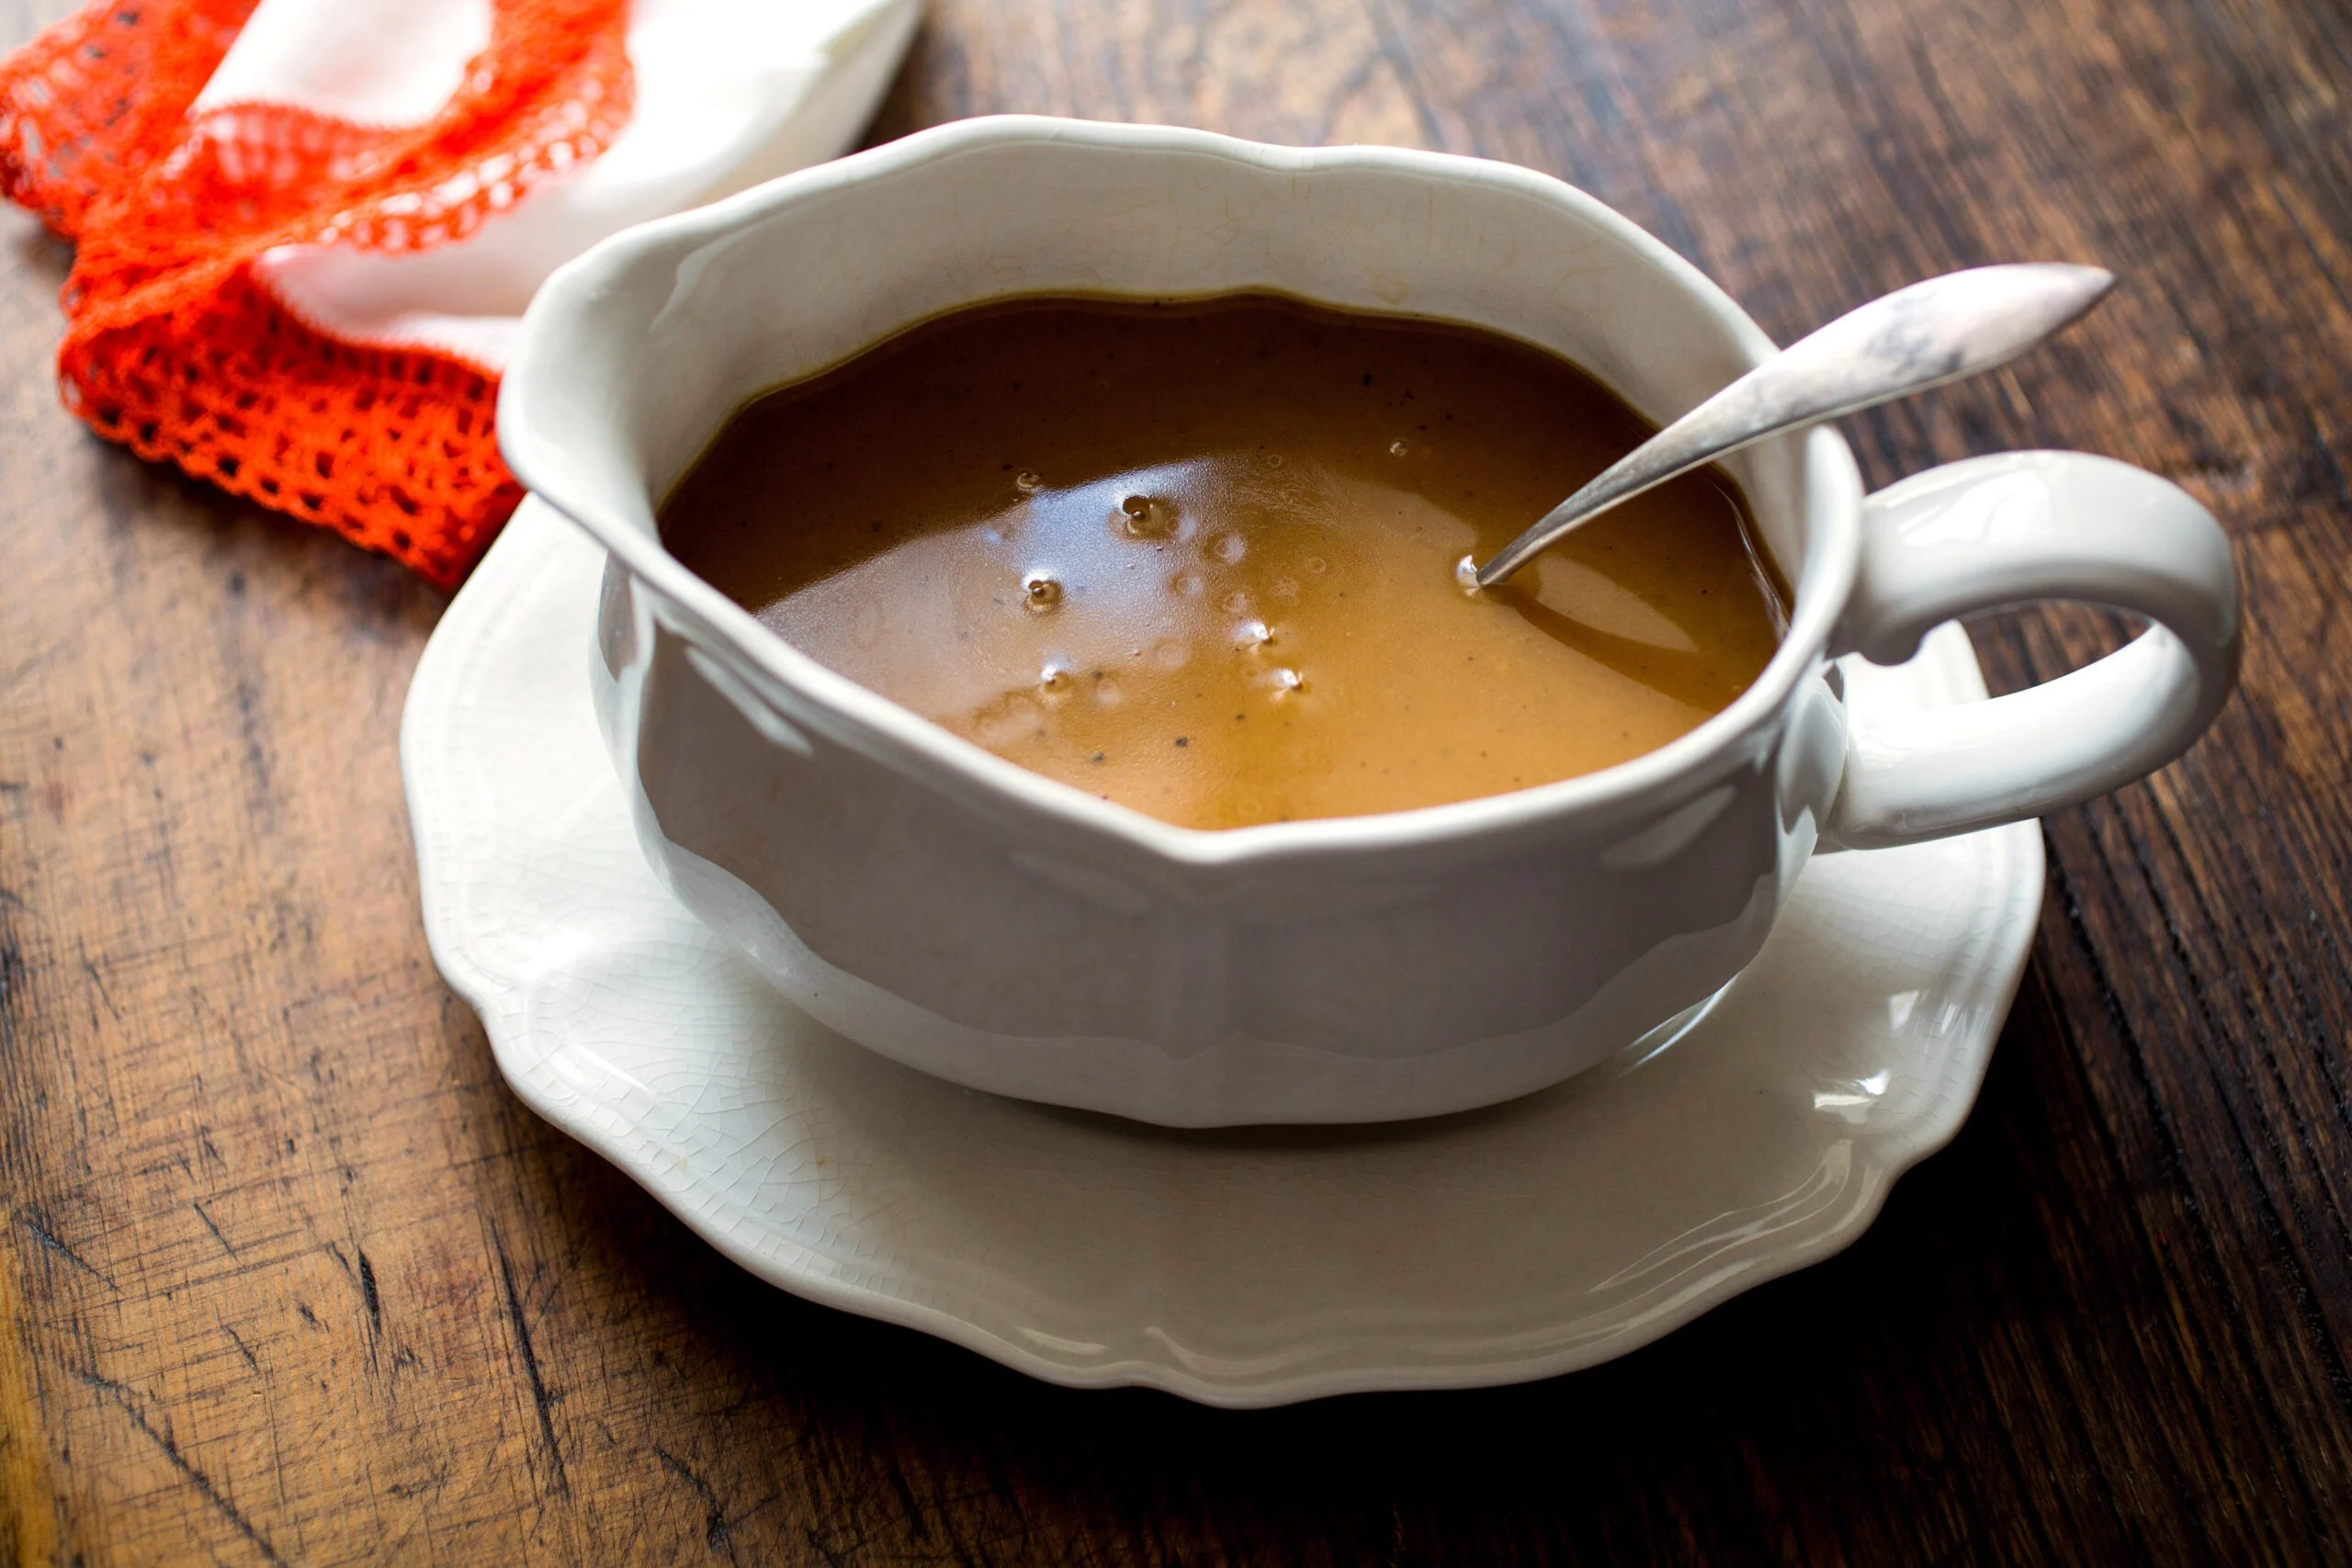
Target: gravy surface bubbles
[(1198, 558)]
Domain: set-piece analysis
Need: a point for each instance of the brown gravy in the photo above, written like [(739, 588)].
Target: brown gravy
[(1199, 557)]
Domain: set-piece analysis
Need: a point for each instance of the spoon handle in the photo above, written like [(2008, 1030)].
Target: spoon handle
[(1922, 336)]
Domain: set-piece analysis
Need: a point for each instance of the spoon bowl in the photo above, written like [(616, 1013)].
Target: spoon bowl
[(1930, 333)]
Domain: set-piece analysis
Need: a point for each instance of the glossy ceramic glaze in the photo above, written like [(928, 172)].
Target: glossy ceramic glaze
[(1248, 1266), (953, 911)]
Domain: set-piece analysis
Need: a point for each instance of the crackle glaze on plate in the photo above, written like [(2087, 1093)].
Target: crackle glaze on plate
[(1249, 1266)]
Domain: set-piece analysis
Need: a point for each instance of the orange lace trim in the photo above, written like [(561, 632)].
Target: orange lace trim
[(172, 346)]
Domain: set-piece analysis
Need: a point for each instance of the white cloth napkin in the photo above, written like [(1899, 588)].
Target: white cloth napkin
[(729, 93)]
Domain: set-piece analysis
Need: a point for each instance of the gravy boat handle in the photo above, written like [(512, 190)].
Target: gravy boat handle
[(1995, 532)]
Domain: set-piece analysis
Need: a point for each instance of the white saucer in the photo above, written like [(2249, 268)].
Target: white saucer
[(1243, 1267)]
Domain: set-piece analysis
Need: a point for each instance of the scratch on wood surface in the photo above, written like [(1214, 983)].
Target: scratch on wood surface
[(50, 1242), (367, 1292), (714, 1533), (27, 666), (431, 1484), (226, 1245), (242, 1348), (99, 983), (540, 1400), (128, 1404)]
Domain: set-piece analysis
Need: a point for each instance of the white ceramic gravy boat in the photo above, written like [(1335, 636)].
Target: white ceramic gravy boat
[(972, 918)]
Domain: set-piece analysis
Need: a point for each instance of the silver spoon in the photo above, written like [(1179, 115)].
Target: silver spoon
[(1905, 341)]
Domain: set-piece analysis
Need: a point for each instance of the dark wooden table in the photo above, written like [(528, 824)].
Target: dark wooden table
[(286, 1274)]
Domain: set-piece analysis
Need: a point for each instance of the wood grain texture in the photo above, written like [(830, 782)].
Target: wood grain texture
[(288, 1276)]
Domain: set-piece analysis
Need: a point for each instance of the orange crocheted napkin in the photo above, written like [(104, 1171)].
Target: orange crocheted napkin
[(173, 346)]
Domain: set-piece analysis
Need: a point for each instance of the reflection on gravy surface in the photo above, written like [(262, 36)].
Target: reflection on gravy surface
[(1198, 558)]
